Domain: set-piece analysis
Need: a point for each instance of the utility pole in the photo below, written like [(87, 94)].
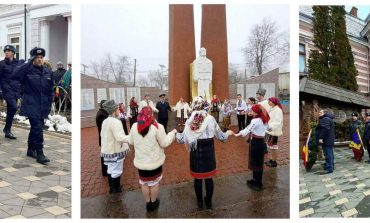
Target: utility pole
[(25, 32), (134, 72), (84, 66)]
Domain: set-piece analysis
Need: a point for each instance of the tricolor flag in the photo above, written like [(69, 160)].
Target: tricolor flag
[(356, 145), (305, 149)]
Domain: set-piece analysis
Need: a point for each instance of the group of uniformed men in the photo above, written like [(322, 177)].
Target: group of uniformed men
[(31, 82)]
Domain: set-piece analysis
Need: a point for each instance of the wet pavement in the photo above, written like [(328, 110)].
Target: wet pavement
[(344, 193), (231, 199), (231, 158), (29, 189)]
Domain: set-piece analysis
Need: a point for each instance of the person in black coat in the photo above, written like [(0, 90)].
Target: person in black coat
[(101, 115), (57, 78), (367, 135), (163, 108), (37, 86), (325, 136), (10, 89)]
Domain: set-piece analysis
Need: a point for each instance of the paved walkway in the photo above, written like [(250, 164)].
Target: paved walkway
[(231, 158), (344, 193), (29, 189), (231, 199)]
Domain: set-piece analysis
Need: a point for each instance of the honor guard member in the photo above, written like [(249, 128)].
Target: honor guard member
[(37, 86), (9, 88)]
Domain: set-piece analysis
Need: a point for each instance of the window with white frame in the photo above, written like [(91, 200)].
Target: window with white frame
[(250, 90), (133, 92), (117, 94), (14, 37), (101, 94), (87, 99), (302, 58)]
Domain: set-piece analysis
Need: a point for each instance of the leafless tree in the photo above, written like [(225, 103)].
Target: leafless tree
[(158, 78), (265, 46), (99, 70), (143, 81), (234, 76), (118, 70)]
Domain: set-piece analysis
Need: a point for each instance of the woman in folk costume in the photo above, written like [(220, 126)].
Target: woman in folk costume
[(275, 129), (215, 107), (134, 110), (123, 116), (182, 109), (200, 129), (226, 110), (256, 130), (114, 147), (149, 140)]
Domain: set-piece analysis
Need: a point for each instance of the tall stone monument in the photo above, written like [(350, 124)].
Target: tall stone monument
[(181, 52), (214, 39)]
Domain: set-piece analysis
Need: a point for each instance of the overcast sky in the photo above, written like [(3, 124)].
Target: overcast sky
[(141, 31)]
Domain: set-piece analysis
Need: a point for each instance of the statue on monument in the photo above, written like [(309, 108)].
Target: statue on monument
[(201, 76)]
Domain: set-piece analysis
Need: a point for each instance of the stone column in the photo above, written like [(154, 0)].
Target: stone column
[(214, 39), (69, 49), (45, 36), (181, 51)]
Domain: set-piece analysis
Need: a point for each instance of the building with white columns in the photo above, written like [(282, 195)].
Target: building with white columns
[(32, 25)]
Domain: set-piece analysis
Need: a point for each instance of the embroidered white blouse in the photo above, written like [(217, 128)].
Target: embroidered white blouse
[(256, 127)]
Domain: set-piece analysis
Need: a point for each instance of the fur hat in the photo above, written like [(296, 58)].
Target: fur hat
[(110, 106), (261, 92), (9, 47)]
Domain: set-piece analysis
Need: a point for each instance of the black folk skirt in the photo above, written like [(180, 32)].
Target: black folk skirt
[(203, 159), (257, 148)]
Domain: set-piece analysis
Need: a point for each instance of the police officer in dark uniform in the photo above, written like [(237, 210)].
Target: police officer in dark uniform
[(10, 89), (367, 135), (163, 107), (37, 85)]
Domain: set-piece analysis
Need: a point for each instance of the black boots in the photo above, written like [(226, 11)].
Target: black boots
[(256, 182), (151, 206), (31, 153), (9, 134), (41, 158), (114, 184), (104, 167), (271, 163), (208, 202)]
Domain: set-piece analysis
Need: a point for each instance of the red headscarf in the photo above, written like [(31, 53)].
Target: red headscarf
[(133, 103), (215, 100), (261, 113), (145, 119), (276, 102), (122, 110)]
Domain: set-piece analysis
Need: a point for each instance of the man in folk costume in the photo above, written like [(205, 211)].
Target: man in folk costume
[(260, 95), (200, 129), (163, 108), (215, 107), (226, 110), (147, 102), (182, 109), (355, 130), (275, 129), (114, 147), (367, 135), (325, 136), (101, 115), (240, 109), (256, 130)]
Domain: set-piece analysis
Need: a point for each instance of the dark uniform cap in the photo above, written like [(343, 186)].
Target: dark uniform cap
[(163, 94), (37, 51), (355, 114), (367, 114), (9, 47)]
